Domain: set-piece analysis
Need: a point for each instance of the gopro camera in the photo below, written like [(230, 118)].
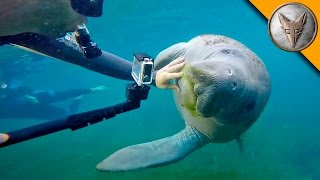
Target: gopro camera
[(142, 68)]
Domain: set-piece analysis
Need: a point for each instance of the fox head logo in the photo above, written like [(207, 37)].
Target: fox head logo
[(292, 29)]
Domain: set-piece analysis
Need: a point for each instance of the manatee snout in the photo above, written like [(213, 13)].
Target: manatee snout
[(216, 85)]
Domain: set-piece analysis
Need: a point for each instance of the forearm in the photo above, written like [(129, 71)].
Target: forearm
[(66, 50), (111, 65)]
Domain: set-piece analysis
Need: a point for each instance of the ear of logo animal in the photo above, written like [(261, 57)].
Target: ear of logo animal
[(282, 20), (302, 19)]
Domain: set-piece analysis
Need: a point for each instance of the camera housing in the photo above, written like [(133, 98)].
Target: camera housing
[(142, 68)]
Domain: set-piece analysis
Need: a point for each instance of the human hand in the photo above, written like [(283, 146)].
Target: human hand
[(169, 72), (99, 89), (3, 138)]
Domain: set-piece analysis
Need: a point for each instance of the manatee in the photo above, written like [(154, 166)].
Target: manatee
[(46, 17), (224, 89)]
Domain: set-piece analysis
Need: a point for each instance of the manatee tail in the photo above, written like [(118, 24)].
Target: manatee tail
[(156, 153)]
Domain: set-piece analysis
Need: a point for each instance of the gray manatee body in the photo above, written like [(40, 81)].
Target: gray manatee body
[(224, 89)]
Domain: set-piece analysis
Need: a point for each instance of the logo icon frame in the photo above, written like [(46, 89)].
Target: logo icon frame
[(290, 31)]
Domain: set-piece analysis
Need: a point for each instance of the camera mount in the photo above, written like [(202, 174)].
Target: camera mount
[(134, 95)]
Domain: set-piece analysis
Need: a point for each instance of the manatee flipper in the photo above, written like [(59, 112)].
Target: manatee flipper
[(170, 54), (156, 153), (240, 141)]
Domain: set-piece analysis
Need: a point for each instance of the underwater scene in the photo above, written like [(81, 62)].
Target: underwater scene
[(283, 142)]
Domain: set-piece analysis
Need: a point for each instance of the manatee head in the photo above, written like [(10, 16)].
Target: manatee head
[(224, 88)]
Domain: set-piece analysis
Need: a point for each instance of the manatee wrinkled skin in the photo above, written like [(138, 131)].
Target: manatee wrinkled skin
[(224, 89)]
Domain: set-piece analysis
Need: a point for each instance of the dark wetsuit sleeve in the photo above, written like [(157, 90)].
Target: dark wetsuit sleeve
[(64, 49), (92, 8), (47, 97)]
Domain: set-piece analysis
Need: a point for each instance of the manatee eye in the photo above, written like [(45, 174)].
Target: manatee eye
[(287, 31), (229, 72), (225, 51), (297, 31)]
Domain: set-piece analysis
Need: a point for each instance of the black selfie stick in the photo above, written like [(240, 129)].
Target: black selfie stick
[(134, 95)]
